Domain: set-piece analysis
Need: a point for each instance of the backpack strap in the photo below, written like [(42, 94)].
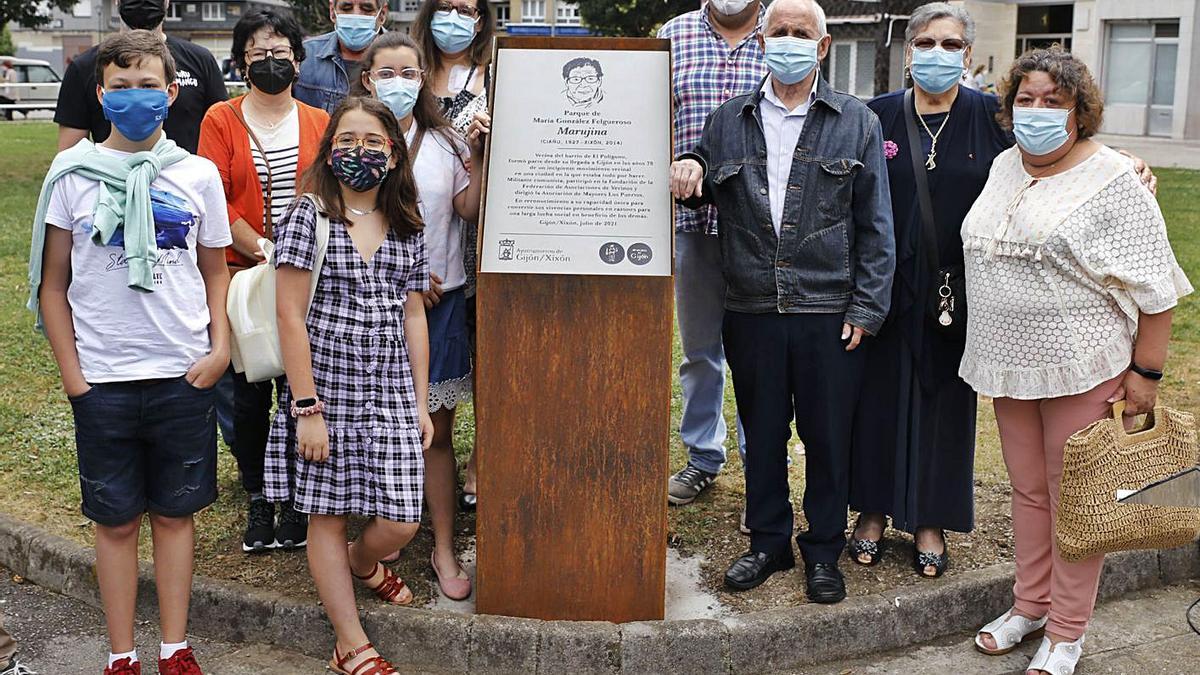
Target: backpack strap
[(321, 233)]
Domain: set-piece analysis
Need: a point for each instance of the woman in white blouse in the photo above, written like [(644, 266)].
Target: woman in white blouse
[(1071, 282)]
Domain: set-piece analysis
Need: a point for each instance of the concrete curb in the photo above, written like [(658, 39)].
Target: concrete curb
[(432, 641)]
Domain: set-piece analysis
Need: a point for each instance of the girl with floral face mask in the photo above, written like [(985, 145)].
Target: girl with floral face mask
[(448, 174), (353, 422)]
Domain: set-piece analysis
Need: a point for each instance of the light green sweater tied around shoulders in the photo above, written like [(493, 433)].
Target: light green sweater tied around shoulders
[(124, 201)]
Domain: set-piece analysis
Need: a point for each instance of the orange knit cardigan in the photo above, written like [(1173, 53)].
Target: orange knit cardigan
[(224, 140)]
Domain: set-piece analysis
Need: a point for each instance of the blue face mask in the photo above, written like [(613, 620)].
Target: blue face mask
[(452, 33), (399, 94), (1041, 131), (355, 31), (790, 59), (936, 70), (136, 113)]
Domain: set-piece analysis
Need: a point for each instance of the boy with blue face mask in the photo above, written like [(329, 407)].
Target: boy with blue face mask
[(127, 270), (324, 76)]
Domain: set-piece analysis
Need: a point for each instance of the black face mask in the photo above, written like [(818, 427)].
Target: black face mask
[(143, 14), (271, 75)]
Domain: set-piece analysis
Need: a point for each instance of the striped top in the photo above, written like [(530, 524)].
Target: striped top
[(282, 145)]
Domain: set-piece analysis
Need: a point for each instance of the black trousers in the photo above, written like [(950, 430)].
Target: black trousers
[(789, 366), (252, 425)]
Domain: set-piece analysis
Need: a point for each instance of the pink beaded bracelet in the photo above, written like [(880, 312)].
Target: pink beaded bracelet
[(315, 409)]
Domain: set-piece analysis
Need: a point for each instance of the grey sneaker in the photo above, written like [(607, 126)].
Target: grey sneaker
[(687, 484), (15, 667)]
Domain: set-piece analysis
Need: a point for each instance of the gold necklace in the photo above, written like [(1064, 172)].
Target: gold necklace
[(930, 161)]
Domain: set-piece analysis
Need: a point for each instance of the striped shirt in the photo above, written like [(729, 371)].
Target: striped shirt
[(706, 74), (282, 144)]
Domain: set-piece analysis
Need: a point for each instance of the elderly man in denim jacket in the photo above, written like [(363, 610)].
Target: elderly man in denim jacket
[(333, 57), (797, 173)]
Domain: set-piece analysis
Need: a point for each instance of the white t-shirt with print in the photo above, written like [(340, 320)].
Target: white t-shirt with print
[(123, 334), (440, 176)]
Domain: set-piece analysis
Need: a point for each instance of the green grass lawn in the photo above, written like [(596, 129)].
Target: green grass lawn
[(38, 480)]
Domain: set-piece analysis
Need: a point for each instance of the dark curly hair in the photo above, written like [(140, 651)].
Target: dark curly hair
[(1069, 73), (280, 24)]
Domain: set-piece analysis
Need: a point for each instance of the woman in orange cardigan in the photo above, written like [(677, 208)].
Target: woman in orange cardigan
[(260, 170)]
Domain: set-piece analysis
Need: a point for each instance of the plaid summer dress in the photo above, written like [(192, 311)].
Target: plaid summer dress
[(361, 370)]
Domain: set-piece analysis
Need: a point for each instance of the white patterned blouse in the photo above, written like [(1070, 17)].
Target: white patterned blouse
[(1057, 271)]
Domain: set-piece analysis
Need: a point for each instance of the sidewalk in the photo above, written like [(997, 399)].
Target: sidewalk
[(1158, 152)]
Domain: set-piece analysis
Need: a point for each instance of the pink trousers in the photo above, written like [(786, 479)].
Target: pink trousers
[(1032, 436)]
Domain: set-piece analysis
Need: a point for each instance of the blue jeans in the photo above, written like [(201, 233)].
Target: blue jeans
[(700, 305), (224, 390)]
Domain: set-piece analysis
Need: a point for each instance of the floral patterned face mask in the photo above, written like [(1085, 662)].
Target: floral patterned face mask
[(360, 169)]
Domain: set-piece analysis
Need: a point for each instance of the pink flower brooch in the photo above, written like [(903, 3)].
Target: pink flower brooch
[(890, 149)]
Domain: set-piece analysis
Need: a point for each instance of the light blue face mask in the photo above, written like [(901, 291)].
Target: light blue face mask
[(936, 70), (452, 32), (399, 94), (1041, 131), (790, 59), (355, 31)]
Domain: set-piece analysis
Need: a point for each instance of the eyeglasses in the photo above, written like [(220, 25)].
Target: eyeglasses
[(590, 79), (410, 73), (370, 143), (949, 44), (463, 10), (282, 52)]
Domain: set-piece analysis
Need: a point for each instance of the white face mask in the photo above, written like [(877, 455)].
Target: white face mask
[(730, 7)]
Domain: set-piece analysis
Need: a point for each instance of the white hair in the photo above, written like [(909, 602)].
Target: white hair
[(818, 11), (927, 14)]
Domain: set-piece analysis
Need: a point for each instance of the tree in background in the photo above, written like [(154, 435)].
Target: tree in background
[(631, 18), (31, 14), (313, 15), (6, 43)]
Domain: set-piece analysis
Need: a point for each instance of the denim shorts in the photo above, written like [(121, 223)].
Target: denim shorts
[(147, 445)]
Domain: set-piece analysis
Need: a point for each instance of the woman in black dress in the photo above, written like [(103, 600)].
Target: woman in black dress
[(914, 444)]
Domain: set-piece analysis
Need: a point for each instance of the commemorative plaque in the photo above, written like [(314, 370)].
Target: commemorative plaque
[(573, 370)]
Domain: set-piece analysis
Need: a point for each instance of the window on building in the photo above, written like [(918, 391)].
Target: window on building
[(567, 14), (853, 67), (1040, 26), (82, 10), (533, 11), (503, 14), (1139, 69), (174, 12), (212, 11)]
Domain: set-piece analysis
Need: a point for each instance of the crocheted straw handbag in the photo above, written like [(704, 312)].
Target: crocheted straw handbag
[(1104, 458)]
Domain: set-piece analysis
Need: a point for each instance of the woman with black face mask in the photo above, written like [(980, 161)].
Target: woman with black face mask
[(260, 143)]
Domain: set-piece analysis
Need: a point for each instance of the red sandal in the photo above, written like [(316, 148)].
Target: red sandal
[(389, 589), (376, 665)]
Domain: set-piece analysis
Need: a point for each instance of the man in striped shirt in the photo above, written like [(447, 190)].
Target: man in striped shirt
[(716, 56)]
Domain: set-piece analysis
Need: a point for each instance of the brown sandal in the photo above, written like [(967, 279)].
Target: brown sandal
[(376, 665), (389, 589)]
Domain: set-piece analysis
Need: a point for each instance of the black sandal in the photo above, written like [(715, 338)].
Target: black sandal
[(860, 547), (938, 561)]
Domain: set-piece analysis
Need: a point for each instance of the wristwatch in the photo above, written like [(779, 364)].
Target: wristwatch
[(306, 402), (1147, 373)]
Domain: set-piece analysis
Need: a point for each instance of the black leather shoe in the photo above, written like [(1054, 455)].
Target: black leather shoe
[(753, 568), (826, 584)]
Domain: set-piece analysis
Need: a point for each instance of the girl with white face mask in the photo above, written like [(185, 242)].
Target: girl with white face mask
[(448, 172)]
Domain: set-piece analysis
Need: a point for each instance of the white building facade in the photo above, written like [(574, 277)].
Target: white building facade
[(1143, 53)]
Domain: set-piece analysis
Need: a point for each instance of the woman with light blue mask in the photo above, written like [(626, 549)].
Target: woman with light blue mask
[(1071, 282), (456, 45), (915, 439), (448, 171)]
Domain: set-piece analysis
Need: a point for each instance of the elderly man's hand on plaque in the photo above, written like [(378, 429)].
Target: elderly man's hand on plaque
[(479, 127), (687, 179)]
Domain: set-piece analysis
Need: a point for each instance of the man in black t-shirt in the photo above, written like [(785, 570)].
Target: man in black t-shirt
[(200, 85)]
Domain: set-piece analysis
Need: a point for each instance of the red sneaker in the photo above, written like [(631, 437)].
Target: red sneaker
[(124, 667), (182, 662)]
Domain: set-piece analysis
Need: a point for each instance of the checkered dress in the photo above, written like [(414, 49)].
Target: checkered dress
[(361, 370), (705, 74)]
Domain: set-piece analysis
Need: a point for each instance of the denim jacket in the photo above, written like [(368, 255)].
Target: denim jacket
[(323, 81), (836, 250)]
